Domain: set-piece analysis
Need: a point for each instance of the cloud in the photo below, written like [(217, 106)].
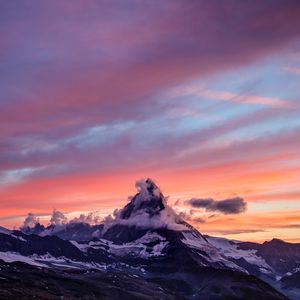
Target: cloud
[(188, 216), (235, 205), (91, 218), (110, 78), (165, 219), (198, 220), (236, 231), (289, 226), (58, 218), (30, 221), (201, 91), (293, 70)]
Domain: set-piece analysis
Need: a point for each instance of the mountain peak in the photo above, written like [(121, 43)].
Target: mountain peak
[(148, 186), (149, 200), (146, 210), (151, 186), (275, 242)]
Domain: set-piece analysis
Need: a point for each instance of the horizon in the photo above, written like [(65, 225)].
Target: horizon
[(96, 95)]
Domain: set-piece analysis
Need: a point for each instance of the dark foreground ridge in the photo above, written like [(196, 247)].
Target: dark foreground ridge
[(22, 281)]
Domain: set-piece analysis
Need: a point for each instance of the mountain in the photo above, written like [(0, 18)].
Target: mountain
[(4, 230), (270, 260), (290, 284), (283, 257), (148, 244)]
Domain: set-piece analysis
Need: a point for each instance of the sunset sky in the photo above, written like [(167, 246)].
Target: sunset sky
[(201, 96)]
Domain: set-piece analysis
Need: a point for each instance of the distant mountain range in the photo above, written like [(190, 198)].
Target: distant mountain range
[(146, 252)]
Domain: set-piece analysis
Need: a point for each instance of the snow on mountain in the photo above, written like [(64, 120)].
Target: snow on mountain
[(13, 257), (212, 253), (48, 261), (231, 250), (149, 245)]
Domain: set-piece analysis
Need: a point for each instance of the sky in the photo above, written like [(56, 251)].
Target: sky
[(201, 96)]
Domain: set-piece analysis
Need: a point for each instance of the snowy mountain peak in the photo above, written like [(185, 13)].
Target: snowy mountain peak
[(149, 200), (152, 188), (147, 210)]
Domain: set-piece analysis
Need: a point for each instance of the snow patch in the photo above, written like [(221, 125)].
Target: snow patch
[(18, 237), (212, 253), (139, 247), (13, 257), (231, 249)]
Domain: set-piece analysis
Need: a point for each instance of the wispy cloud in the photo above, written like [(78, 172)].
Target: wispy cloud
[(293, 70), (203, 92), (235, 231)]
